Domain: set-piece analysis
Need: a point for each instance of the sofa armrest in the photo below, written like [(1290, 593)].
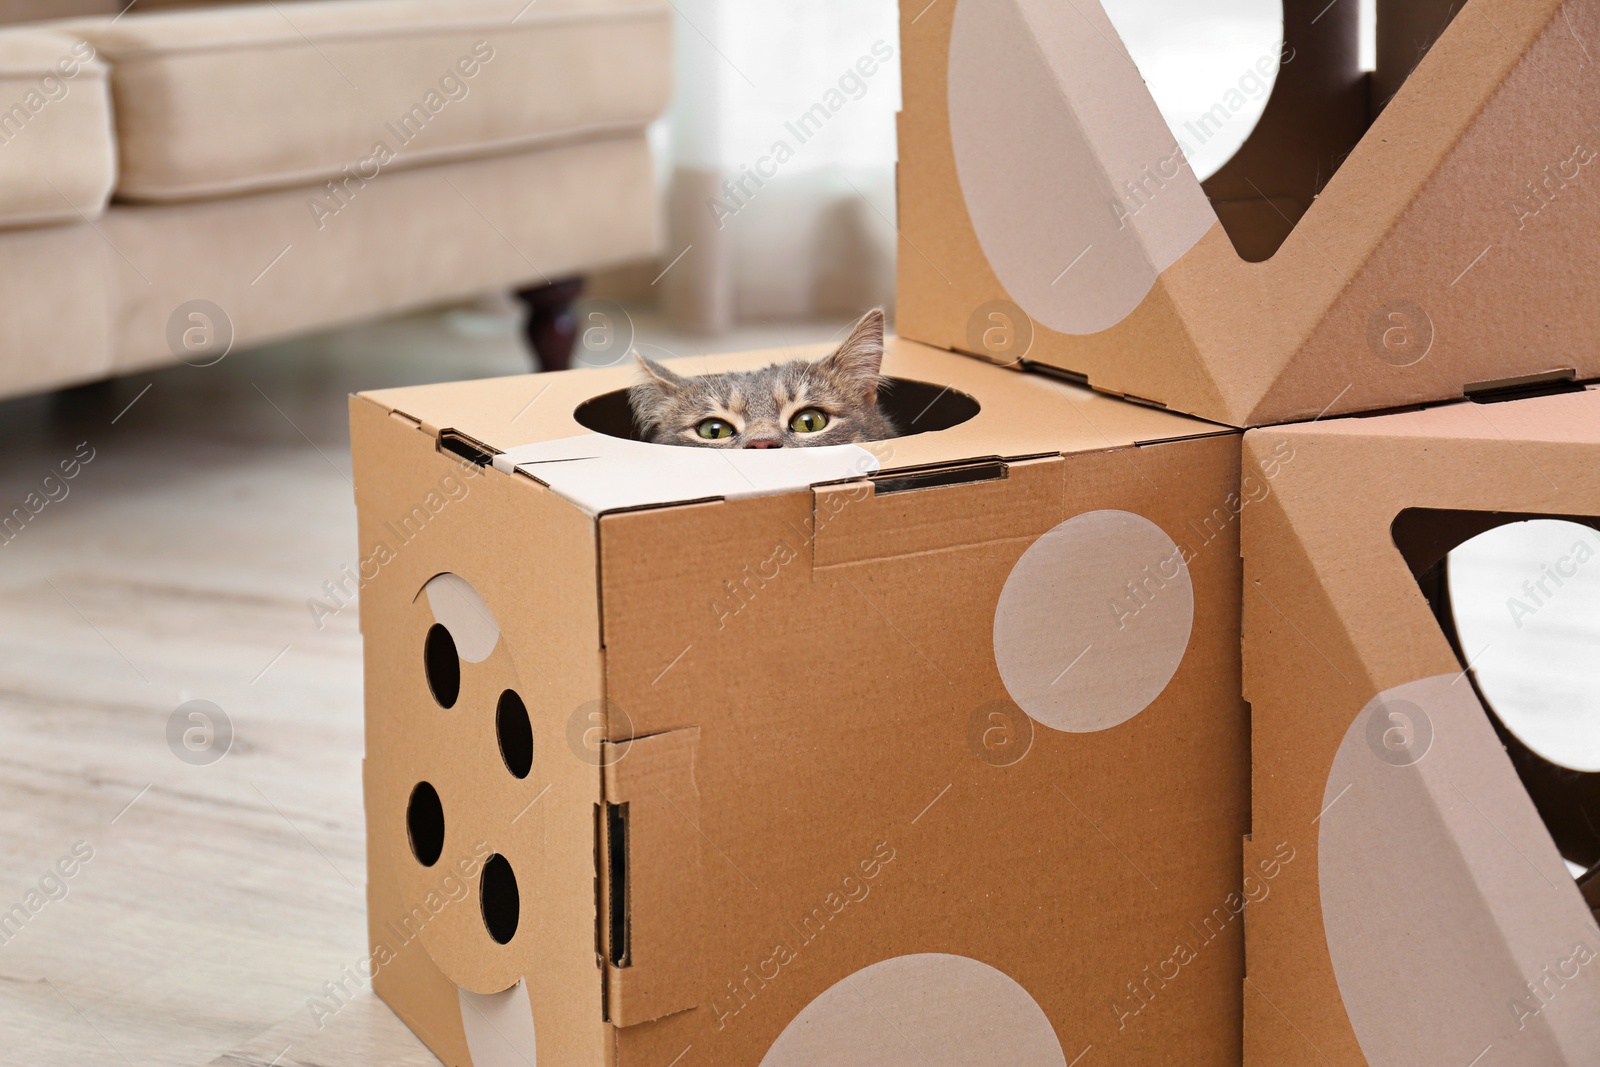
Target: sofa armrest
[(57, 152)]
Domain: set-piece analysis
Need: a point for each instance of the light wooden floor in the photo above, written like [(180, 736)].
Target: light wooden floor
[(218, 898)]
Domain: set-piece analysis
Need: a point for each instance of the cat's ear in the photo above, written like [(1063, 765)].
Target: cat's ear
[(859, 361), (652, 395), (656, 374)]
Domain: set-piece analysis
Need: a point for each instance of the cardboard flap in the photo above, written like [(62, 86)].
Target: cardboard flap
[(600, 473), (652, 877), (861, 521)]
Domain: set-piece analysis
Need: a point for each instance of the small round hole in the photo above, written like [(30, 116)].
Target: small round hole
[(442, 665), (516, 734), (498, 898), (425, 824)]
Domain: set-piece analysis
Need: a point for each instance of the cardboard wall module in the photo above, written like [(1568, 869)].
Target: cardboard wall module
[(946, 727), (1432, 919), (1047, 213)]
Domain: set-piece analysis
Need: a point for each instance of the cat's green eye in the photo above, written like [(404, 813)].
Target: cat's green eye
[(715, 429), (808, 421)]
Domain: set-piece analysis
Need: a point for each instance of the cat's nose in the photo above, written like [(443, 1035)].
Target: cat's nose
[(764, 443)]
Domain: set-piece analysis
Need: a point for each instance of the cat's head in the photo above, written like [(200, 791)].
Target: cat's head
[(787, 405)]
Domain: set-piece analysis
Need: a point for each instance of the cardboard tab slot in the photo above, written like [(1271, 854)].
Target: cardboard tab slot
[(851, 524), (617, 882), (1044, 370), (1524, 387), (977, 472), (459, 444)]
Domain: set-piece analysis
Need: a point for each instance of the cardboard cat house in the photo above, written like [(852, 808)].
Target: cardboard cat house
[(925, 751), (1048, 214), (1430, 918)]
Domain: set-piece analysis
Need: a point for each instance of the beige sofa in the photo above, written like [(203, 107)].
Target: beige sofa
[(174, 182)]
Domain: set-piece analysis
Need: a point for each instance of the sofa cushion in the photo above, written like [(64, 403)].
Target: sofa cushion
[(15, 11), (230, 100), (57, 159), (415, 238)]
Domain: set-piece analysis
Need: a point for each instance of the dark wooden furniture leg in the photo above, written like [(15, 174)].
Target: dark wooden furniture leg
[(552, 328)]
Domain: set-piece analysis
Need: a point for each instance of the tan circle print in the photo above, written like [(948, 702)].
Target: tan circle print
[(1093, 621), (928, 1010), (1051, 125)]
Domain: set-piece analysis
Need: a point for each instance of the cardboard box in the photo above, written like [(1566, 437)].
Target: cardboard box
[(931, 749), (1048, 215), (1430, 918)]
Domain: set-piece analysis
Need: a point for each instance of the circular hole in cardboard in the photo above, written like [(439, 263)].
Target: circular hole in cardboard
[(1210, 67), (442, 665), (425, 824), (914, 407), (1525, 601), (499, 900), (515, 732)]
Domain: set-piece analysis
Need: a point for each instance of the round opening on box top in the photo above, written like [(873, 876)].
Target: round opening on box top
[(442, 666), (1210, 67), (425, 824), (1526, 604), (499, 900), (515, 732), (914, 407)]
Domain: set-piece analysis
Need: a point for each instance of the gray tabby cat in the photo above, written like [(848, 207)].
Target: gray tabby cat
[(802, 404)]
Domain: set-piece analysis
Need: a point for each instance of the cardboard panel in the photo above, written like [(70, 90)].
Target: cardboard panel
[(1335, 625), (845, 806), (423, 513), (1419, 273)]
